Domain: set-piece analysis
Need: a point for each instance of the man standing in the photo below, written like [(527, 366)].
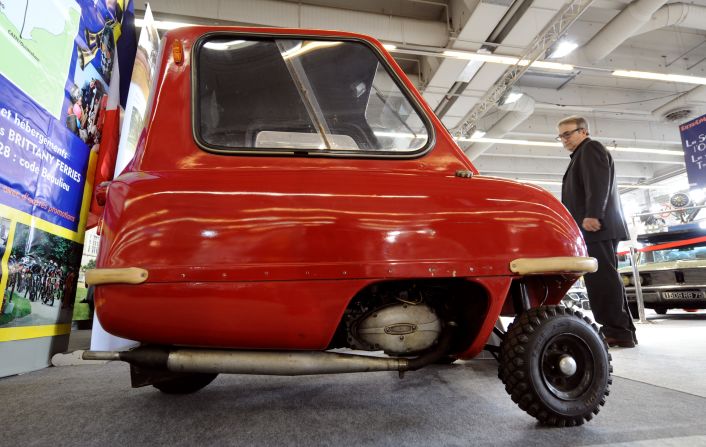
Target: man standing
[(590, 193)]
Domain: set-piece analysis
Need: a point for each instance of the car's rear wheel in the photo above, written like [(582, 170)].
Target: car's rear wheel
[(556, 366), (186, 383)]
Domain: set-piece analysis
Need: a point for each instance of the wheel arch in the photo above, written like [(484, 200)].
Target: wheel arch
[(531, 291), (462, 300)]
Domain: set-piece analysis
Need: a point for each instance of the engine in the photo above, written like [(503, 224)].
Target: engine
[(398, 329), (407, 318)]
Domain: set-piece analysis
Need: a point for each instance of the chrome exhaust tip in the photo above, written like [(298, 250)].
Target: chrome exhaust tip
[(101, 355)]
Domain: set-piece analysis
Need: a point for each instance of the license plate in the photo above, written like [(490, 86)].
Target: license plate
[(683, 295)]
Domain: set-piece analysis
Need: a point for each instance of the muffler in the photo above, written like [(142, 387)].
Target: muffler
[(250, 362), (276, 363)]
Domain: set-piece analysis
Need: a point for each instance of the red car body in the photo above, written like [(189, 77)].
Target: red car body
[(251, 251), (292, 194)]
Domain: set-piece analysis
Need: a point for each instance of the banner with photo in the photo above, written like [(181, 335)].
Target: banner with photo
[(58, 59)]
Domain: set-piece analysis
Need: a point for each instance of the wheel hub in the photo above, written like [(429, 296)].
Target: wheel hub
[(567, 365)]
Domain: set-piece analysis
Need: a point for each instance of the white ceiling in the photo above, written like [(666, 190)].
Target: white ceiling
[(622, 112)]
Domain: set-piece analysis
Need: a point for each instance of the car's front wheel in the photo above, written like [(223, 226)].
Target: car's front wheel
[(555, 365)]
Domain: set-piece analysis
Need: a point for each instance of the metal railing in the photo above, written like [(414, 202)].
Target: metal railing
[(635, 255), (638, 287)]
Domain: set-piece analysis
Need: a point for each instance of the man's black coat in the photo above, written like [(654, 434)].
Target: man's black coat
[(589, 189)]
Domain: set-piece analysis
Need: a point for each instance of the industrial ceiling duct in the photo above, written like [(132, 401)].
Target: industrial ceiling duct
[(517, 113), (643, 16), (623, 26), (677, 14)]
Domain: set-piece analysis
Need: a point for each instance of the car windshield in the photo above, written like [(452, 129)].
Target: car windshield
[(318, 96), (686, 253)]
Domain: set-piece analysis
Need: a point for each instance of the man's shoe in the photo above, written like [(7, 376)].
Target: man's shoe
[(617, 342)]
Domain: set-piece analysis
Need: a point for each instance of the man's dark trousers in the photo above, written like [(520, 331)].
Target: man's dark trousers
[(603, 286)]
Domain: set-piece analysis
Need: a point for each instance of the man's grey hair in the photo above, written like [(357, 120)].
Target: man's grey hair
[(579, 121)]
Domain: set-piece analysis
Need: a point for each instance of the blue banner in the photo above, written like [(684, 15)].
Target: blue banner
[(42, 163), (693, 138)]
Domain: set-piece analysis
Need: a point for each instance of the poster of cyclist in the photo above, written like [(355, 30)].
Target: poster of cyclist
[(42, 276), (4, 236)]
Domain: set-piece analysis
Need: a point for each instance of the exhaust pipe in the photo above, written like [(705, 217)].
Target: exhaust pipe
[(275, 363)]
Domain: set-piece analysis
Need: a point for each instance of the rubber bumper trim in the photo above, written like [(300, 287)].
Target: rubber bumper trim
[(129, 275), (559, 264)]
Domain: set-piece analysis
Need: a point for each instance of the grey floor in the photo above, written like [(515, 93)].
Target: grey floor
[(658, 398)]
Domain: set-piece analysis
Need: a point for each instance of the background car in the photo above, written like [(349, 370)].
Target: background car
[(577, 297), (672, 270)]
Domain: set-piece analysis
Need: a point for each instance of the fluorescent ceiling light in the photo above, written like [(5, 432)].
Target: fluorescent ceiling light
[(510, 141), (389, 46), (660, 76), (646, 150), (539, 182), (558, 183), (478, 134), (637, 186), (549, 65), (563, 48), (511, 60), (514, 142), (506, 60)]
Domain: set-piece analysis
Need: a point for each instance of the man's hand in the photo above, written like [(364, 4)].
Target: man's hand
[(591, 224)]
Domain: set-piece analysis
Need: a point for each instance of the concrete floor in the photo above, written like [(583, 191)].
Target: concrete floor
[(671, 353), (658, 398)]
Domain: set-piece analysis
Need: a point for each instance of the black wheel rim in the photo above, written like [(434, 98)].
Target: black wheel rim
[(561, 385)]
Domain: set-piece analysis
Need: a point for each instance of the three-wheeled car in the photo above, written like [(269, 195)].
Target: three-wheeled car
[(293, 194)]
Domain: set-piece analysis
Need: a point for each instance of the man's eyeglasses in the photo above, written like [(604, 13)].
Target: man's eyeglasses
[(567, 134)]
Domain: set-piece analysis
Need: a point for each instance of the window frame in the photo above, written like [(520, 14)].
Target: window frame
[(337, 153)]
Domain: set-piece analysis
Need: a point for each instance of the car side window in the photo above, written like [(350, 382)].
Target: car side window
[(301, 95)]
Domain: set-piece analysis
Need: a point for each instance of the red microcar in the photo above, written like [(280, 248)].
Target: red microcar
[(293, 194)]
